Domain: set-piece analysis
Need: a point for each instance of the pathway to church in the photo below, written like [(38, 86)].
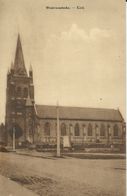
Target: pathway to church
[(65, 176)]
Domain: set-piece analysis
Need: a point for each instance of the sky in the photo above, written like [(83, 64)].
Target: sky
[(77, 55)]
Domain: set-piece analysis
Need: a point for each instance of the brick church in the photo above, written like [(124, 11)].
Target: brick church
[(37, 123)]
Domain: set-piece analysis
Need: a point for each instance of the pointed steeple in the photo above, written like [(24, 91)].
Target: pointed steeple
[(19, 64), (31, 71), (12, 68)]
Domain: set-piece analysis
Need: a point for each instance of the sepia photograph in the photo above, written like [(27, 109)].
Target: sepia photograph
[(62, 98)]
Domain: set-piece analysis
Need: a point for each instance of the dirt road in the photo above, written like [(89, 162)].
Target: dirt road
[(65, 176)]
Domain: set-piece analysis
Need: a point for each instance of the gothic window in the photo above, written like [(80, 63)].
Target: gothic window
[(108, 128), (18, 92), (63, 129), (25, 92), (90, 130), (70, 129), (84, 129), (115, 130), (77, 130), (102, 130), (47, 129)]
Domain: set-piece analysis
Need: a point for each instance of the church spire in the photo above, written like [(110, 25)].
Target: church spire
[(31, 71), (19, 64)]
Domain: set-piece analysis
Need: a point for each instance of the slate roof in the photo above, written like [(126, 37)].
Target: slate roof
[(78, 113)]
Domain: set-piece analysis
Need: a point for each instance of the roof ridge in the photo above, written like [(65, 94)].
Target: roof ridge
[(77, 107), (49, 111)]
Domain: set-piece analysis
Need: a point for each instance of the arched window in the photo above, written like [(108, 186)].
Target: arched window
[(18, 92), (77, 130), (84, 129), (47, 129), (63, 129), (25, 92), (90, 130), (108, 130), (115, 130), (102, 130), (71, 129)]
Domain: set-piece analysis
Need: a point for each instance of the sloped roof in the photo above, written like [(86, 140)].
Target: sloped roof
[(79, 113)]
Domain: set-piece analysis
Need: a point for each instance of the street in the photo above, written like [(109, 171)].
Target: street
[(65, 176)]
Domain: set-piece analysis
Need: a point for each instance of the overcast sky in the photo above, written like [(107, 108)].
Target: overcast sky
[(78, 56)]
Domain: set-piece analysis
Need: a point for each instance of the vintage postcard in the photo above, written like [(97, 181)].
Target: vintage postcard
[(62, 98)]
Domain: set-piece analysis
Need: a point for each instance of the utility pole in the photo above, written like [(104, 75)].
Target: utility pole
[(58, 131)]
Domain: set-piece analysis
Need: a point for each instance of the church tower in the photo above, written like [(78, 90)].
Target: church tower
[(19, 100)]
